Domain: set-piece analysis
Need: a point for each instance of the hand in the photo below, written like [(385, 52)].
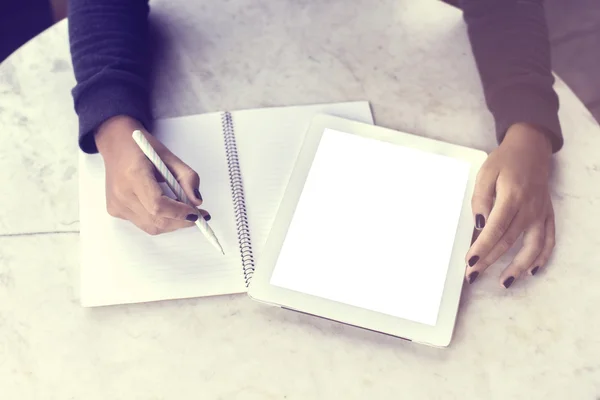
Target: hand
[(512, 198), (132, 189)]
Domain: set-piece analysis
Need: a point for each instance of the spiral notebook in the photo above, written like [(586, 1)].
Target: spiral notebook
[(244, 159)]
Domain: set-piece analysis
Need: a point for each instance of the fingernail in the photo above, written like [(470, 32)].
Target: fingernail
[(192, 217), (197, 194), (508, 282), (473, 260), (535, 270), (473, 276), (479, 221), (207, 217)]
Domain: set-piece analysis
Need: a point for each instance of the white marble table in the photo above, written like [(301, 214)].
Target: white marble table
[(538, 340)]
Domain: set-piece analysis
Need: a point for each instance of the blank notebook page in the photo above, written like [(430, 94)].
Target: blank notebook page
[(374, 227)]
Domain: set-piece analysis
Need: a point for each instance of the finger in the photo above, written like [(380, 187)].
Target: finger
[(533, 243), (205, 214), (157, 204), (483, 196), (500, 220), (154, 225), (186, 176), (138, 220), (549, 243), (166, 225), (158, 176), (474, 236), (115, 209), (502, 246)]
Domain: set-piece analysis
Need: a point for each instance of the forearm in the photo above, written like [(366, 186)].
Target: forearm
[(510, 43), (109, 51)]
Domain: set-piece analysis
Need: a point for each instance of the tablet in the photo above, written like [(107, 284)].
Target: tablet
[(372, 231)]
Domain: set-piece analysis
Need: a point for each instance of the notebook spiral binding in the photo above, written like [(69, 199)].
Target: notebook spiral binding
[(239, 200)]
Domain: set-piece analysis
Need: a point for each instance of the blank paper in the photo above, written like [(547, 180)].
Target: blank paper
[(374, 227)]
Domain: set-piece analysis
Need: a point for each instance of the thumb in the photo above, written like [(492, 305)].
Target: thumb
[(483, 197), (186, 176)]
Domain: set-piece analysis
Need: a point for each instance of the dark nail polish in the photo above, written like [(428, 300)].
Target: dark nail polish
[(473, 276), (197, 194), (535, 270), (207, 217), (473, 260), (192, 217), (479, 221), (509, 282)]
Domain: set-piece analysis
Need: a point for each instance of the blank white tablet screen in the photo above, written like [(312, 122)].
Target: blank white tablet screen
[(374, 227)]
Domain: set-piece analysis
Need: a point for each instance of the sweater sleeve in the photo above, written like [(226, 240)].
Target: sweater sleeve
[(511, 47), (110, 55)]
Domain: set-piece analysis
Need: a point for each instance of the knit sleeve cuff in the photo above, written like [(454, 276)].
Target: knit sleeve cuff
[(527, 105), (105, 101)]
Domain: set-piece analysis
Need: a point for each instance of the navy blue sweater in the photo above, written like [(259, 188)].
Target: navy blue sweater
[(509, 38)]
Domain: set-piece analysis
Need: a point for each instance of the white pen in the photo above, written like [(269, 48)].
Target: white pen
[(201, 223)]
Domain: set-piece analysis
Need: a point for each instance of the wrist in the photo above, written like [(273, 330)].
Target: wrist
[(529, 136), (112, 132)]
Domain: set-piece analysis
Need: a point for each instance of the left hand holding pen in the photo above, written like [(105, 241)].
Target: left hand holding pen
[(512, 198)]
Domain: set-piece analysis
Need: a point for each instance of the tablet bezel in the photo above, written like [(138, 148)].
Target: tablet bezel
[(262, 290)]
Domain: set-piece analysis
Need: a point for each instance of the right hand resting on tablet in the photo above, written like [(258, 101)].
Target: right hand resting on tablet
[(132, 189)]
